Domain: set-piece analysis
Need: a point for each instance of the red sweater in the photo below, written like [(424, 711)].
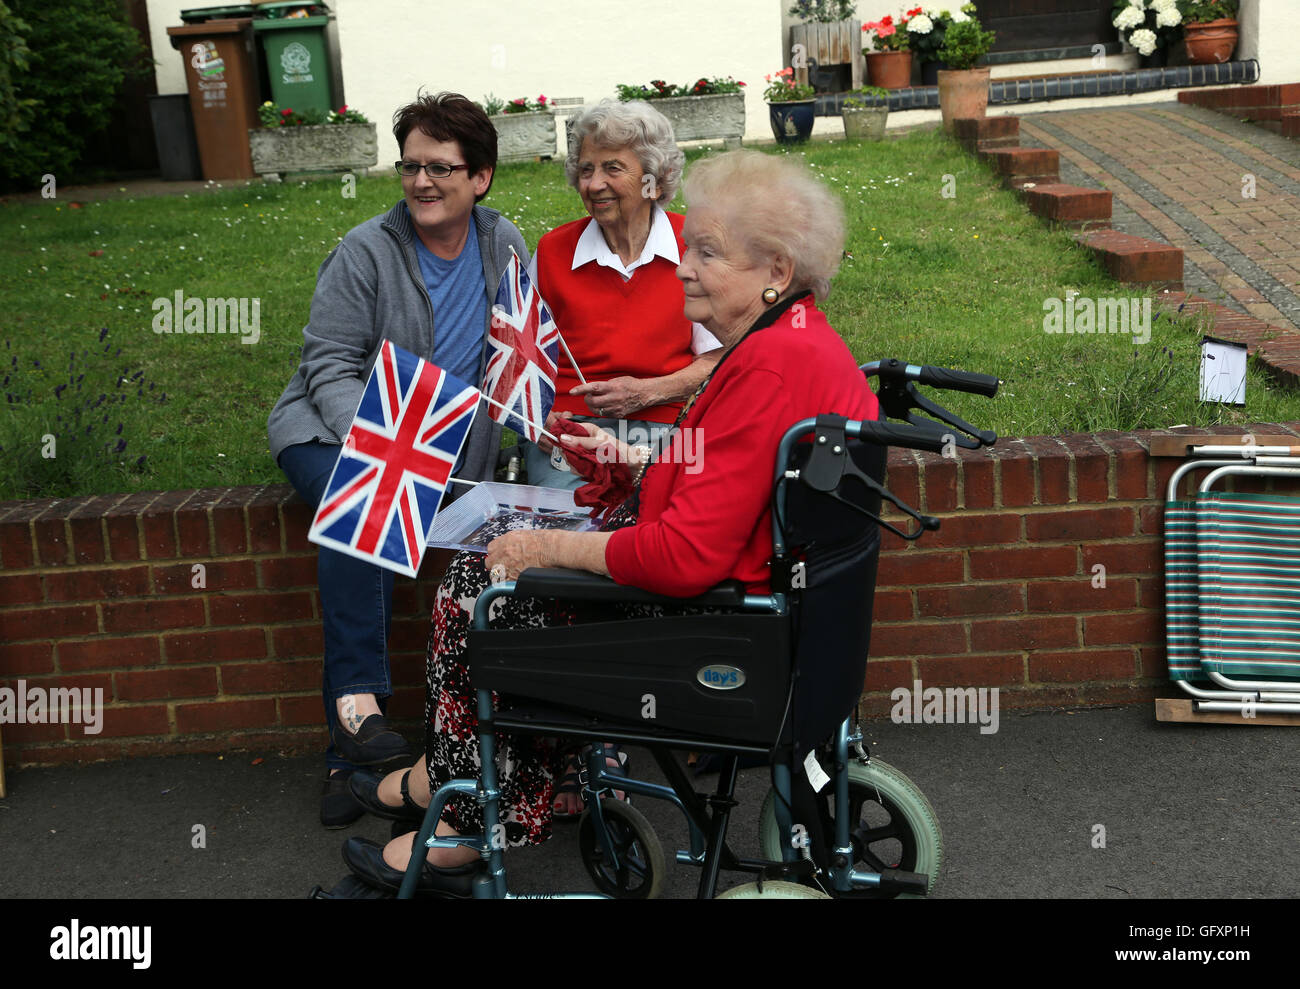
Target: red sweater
[(614, 327), (710, 520)]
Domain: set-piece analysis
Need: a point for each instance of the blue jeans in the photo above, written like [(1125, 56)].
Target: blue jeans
[(634, 432), (356, 601)]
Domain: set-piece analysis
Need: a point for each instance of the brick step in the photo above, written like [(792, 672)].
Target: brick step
[(1136, 259), (980, 133), (1291, 124), (1016, 166), (1241, 99), (1071, 205)]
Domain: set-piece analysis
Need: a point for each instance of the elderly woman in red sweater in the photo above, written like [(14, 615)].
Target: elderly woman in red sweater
[(763, 239), (609, 280)]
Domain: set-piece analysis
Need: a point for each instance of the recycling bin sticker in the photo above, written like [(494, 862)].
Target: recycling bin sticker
[(211, 69), (295, 60), (207, 60)]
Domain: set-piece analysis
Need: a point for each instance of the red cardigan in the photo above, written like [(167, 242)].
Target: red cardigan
[(710, 520), (613, 327)]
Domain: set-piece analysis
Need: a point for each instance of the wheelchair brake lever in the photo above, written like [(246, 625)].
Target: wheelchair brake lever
[(927, 523), (978, 437), (898, 399)]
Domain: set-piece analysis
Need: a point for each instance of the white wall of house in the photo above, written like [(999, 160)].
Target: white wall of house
[(392, 48)]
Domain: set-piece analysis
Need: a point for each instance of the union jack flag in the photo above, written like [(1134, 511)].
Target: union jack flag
[(524, 345), (396, 459)]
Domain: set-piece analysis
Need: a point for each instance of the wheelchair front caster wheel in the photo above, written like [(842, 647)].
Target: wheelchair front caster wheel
[(637, 869), (891, 825), (774, 890)]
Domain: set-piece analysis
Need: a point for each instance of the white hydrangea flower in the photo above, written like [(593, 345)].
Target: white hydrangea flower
[(1162, 5), (960, 17), (1168, 17), (1144, 41), (1129, 17), (920, 24)]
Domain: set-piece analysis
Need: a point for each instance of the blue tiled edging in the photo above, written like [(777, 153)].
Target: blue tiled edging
[(1067, 87)]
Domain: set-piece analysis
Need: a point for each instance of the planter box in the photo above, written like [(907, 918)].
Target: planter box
[(322, 147), (525, 136), (718, 117), (864, 123), (836, 43)]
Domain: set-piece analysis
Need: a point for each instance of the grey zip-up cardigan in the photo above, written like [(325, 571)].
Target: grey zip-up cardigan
[(370, 288)]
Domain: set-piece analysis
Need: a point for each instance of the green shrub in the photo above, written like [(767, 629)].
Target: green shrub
[(81, 52)]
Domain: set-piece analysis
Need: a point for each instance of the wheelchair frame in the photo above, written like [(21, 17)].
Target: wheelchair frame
[(707, 831)]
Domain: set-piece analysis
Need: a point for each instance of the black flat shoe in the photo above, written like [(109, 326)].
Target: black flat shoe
[(365, 791), (366, 860), (338, 808), (375, 742)]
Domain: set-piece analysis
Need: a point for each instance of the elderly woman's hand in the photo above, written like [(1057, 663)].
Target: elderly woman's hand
[(514, 552), (543, 442), (617, 398)]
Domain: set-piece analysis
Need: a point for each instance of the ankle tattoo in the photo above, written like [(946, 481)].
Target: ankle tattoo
[(348, 714)]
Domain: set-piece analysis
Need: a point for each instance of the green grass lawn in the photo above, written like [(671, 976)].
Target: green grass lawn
[(958, 281)]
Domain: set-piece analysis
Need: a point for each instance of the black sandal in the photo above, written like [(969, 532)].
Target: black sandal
[(621, 771), (570, 782)]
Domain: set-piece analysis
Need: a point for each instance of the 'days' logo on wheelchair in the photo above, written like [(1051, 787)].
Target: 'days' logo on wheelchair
[(721, 677)]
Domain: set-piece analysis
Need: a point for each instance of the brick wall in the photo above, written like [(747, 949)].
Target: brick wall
[(100, 592)]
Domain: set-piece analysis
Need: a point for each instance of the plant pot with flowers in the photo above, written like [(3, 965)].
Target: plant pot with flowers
[(963, 88), (790, 107), (865, 114), (525, 128), (1209, 29), (889, 60), (1150, 27), (707, 110), (288, 141), (927, 28)]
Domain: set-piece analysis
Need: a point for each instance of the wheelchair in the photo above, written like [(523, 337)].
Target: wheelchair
[(774, 677)]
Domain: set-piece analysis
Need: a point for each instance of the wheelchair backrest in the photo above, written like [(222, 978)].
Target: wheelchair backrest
[(831, 597)]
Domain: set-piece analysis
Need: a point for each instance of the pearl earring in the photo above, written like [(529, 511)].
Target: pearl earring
[(770, 295)]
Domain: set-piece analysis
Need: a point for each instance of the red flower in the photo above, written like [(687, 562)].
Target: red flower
[(913, 13)]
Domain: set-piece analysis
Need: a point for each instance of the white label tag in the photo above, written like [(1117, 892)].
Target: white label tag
[(813, 770), (559, 462)]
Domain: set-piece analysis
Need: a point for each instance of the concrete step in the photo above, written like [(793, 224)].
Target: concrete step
[(1136, 259), (1070, 205)]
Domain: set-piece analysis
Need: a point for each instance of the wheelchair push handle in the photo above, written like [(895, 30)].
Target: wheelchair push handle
[(937, 377)]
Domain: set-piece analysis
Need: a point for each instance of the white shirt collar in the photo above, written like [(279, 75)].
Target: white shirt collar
[(662, 242)]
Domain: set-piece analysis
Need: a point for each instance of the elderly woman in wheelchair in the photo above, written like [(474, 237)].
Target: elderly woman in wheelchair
[(763, 240)]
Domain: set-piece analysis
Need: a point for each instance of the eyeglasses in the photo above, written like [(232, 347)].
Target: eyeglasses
[(435, 169)]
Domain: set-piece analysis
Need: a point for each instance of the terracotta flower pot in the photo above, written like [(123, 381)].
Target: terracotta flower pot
[(963, 93), (1211, 41), (890, 70)]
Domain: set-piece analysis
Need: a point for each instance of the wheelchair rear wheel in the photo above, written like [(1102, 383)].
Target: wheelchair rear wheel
[(639, 873), (892, 825)]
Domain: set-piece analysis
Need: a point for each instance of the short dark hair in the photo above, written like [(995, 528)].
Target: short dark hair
[(451, 117)]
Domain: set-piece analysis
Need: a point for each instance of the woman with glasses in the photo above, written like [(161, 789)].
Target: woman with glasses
[(422, 275)]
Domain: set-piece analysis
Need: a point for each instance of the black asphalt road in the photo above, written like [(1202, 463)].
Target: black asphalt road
[(1187, 811)]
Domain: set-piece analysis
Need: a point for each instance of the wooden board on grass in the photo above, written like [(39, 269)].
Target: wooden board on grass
[(1181, 709)]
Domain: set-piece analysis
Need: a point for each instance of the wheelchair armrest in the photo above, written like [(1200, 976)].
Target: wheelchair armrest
[(587, 586)]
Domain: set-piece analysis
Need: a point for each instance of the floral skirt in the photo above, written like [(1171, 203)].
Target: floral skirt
[(526, 765)]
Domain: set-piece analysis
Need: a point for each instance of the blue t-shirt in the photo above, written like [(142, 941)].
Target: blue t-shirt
[(459, 307)]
